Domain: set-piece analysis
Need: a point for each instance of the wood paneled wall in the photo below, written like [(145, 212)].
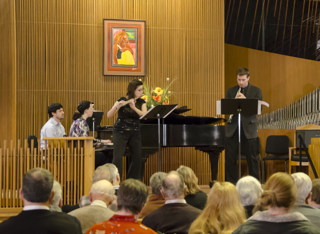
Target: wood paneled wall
[(7, 70), (59, 50), (282, 79)]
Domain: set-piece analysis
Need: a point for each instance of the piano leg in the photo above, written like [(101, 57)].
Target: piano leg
[(214, 159), (144, 157)]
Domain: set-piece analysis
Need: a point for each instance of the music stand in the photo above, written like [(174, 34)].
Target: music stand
[(240, 106), (95, 118), (159, 112)]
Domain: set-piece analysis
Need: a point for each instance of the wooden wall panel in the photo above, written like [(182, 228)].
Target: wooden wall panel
[(282, 79), (7, 70), (60, 59)]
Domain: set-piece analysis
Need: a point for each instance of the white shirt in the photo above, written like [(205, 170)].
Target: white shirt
[(175, 201), (52, 128), (99, 203), (35, 207)]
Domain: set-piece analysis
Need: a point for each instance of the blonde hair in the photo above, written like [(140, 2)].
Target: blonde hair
[(223, 212), (280, 191), (190, 179)]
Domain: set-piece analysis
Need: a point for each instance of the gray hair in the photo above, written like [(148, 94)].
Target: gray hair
[(156, 182), (304, 185), (249, 189), (103, 187), (173, 185), (37, 185), (57, 193), (105, 172)]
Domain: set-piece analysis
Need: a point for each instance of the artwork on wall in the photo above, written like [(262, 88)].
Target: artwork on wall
[(124, 52)]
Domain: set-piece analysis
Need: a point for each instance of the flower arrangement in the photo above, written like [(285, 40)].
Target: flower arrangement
[(156, 96)]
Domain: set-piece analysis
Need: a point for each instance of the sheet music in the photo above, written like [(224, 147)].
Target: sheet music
[(259, 106)]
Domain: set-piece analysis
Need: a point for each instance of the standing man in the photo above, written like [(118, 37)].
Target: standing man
[(53, 127), (249, 130)]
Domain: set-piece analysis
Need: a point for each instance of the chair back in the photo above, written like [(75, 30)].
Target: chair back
[(35, 141), (277, 144)]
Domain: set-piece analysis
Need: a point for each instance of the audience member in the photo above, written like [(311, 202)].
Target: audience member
[(37, 195), (304, 186), (101, 195), (223, 213), (249, 189), (107, 172), (314, 198), (279, 196), (195, 197), (132, 196), (56, 202), (53, 127), (155, 200), (175, 216)]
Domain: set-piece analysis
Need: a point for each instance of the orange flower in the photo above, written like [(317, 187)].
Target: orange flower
[(166, 102), (157, 98), (145, 97)]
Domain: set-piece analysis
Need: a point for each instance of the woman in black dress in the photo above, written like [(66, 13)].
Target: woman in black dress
[(126, 130)]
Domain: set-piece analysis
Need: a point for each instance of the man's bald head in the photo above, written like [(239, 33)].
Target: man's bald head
[(173, 186), (102, 190)]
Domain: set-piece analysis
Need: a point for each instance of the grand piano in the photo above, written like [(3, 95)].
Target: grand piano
[(179, 131)]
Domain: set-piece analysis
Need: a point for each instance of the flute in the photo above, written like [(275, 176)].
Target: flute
[(230, 117)]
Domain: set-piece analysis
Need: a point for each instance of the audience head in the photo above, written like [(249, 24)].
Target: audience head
[(132, 87), (156, 182), (56, 110), (37, 186), (304, 185), (190, 179), (249, 189), (102, 190), (314, 198), (223, 211), (280, 191), (56, 201), (107, 172), (132, 196), (173, 186), (84, 108)]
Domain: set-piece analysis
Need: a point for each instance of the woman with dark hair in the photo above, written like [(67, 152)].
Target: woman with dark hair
[(126, 130), (80, 128)]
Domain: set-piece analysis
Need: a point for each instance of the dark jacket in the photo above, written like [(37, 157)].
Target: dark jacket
[(172, 218), (198, 200), (264, 223), (41, 221), (249, 122)]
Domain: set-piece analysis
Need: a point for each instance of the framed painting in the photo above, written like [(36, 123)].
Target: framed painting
[(124, 47)]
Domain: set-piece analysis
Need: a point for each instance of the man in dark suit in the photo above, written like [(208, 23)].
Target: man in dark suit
[(36, 217), (249, 130), (175, 216)]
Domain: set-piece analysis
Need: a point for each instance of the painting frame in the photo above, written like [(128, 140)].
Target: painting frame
[(124, 47)]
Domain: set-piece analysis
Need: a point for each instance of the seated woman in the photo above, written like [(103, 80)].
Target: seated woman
[(195, 197), (249, 189), (80, 128), (223, 212), (279, 196)]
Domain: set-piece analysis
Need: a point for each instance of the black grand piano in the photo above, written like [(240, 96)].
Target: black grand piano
[(179, 131)]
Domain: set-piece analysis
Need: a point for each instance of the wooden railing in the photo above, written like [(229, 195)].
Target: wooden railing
[(69, 159), (314, 151)]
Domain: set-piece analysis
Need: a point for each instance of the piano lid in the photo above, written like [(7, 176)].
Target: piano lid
[(175, 118)]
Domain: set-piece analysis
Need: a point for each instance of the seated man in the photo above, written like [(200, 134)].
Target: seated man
[(37, 195), (304, 186), (101, 195), (107, 172), (56, 202), (176, 215), (132, 196), (314, 198), (155, 200), (53, 127)]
